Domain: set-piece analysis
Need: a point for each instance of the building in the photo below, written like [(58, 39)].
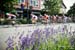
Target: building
[(36, 5), (27, 3), (33, 5), (63, 8)]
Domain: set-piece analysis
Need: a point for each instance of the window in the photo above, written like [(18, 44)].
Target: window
[(20, 1), (34, 3)]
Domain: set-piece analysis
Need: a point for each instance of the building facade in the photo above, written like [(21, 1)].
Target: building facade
[(37, 5), (63, 8)]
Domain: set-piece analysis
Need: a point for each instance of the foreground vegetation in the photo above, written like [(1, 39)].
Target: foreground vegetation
[(62, 38)]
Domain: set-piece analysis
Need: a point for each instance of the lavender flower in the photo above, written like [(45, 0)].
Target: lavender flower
[(40, 36), (72, 41), (9, 43), (47, 32), (21, 35)]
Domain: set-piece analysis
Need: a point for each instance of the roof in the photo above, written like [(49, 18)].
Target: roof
[(64, 4)]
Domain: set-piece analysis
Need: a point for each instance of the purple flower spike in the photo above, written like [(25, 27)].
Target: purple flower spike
[(21, 35), (47, 31), (9, 43)]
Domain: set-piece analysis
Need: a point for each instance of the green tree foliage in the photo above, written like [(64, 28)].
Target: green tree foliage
[(7, 5), (71, 12), (53, 6)]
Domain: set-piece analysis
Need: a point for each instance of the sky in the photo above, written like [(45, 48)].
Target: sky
[(68, 3)]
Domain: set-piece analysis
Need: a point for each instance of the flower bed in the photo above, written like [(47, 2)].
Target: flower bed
[(61, 38)]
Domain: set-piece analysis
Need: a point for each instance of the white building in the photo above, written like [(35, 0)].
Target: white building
[(63, 8), (42, 6)]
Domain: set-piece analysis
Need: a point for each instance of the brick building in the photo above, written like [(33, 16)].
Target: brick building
[(37, 5)]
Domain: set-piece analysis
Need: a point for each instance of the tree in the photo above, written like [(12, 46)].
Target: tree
[(71, 12), (7, 5), (53, 6)]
